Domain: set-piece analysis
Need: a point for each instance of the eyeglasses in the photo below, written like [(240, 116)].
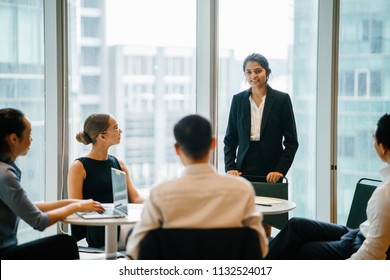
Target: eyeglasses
[(256, 71), (115, 128)]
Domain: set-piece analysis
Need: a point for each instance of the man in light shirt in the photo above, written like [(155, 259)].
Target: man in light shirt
[(308, 239), (201, 198)]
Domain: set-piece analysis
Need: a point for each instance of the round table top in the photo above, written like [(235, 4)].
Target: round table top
[(272, 205), (266, 205)]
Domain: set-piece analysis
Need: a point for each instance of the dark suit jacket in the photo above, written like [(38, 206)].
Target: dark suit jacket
[(277, 128)]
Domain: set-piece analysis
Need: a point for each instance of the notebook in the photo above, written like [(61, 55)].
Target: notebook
[(119, 189)]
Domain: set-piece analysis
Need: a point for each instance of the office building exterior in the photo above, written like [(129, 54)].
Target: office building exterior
[(154, 87), (22, 86), (363, 91)]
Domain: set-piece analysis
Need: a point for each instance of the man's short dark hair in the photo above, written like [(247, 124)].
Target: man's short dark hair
[(383, 131), (193, 135)]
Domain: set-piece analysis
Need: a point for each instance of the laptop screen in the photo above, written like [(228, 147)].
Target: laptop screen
[(119, 189)]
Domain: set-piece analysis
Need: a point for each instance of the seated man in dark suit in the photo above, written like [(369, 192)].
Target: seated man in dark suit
[(200, 198)]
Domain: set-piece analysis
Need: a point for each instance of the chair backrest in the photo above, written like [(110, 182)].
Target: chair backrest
[(201, 244), (278, 190), (357, 213)]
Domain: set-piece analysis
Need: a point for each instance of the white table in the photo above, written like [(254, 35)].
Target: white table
[(277, 206), (111, 226), (274, 205)]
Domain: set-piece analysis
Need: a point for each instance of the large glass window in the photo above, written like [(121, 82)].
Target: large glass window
[(364, 57), (251, 27), (144, 74), (22, 87), (138, 64)]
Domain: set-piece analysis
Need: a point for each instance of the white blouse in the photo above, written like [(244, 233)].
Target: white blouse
[(256, 117)]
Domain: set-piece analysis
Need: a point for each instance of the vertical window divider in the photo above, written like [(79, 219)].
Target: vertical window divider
[(326, 86), (56, 115), (334, 111), (207, 64)]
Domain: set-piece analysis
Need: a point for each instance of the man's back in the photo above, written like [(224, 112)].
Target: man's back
[(201, 198)]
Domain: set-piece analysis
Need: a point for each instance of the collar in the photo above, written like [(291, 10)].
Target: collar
[(253, 101), (5, 159), (198, 168), (385, 173), (249, 91)]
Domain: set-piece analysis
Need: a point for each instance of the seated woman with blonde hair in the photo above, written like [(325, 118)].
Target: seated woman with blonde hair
[(90, 176)]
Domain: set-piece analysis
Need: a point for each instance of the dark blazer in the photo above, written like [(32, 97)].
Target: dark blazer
[(277, 128)]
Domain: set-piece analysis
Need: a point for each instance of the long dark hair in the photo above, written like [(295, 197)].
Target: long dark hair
[(11, 121)]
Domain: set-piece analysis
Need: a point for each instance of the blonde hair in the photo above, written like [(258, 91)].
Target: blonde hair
[(93, 126)]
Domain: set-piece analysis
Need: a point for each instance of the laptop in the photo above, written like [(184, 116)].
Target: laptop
[(120, 196)]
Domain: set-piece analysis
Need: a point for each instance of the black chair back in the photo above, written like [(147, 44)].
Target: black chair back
[(357, 213), (278, 190), (201, 244)]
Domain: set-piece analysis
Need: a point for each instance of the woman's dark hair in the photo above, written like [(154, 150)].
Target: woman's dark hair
[(11, 121), (260, 59), (193, 135), (382, 134), (93, 126)]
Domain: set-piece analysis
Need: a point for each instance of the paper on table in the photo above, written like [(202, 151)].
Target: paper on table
[(267, 200)]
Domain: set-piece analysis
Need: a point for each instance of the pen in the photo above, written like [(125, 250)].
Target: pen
[(261, 204)]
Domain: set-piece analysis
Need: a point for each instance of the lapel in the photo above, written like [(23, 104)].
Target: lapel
[(269, 100), (245, 109)]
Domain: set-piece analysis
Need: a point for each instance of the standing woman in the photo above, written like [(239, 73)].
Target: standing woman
[(15, 141), (90, 176), (261, 136)]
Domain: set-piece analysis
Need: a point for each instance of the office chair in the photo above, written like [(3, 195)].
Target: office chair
[(278, 190), (201, 244), (357, 213)]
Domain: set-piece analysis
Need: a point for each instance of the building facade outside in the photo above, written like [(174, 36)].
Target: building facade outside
[(22, 87), (364, 92)]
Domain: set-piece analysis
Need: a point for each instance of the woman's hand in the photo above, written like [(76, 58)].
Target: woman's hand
[(234, 172), (90, 205), (64, 208), (273, 177)]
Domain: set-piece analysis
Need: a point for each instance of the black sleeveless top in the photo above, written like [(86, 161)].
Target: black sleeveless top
[(97, 185)]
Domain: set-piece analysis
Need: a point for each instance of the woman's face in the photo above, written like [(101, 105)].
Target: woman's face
[(23, 143), (113, 132), (255, 74)]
